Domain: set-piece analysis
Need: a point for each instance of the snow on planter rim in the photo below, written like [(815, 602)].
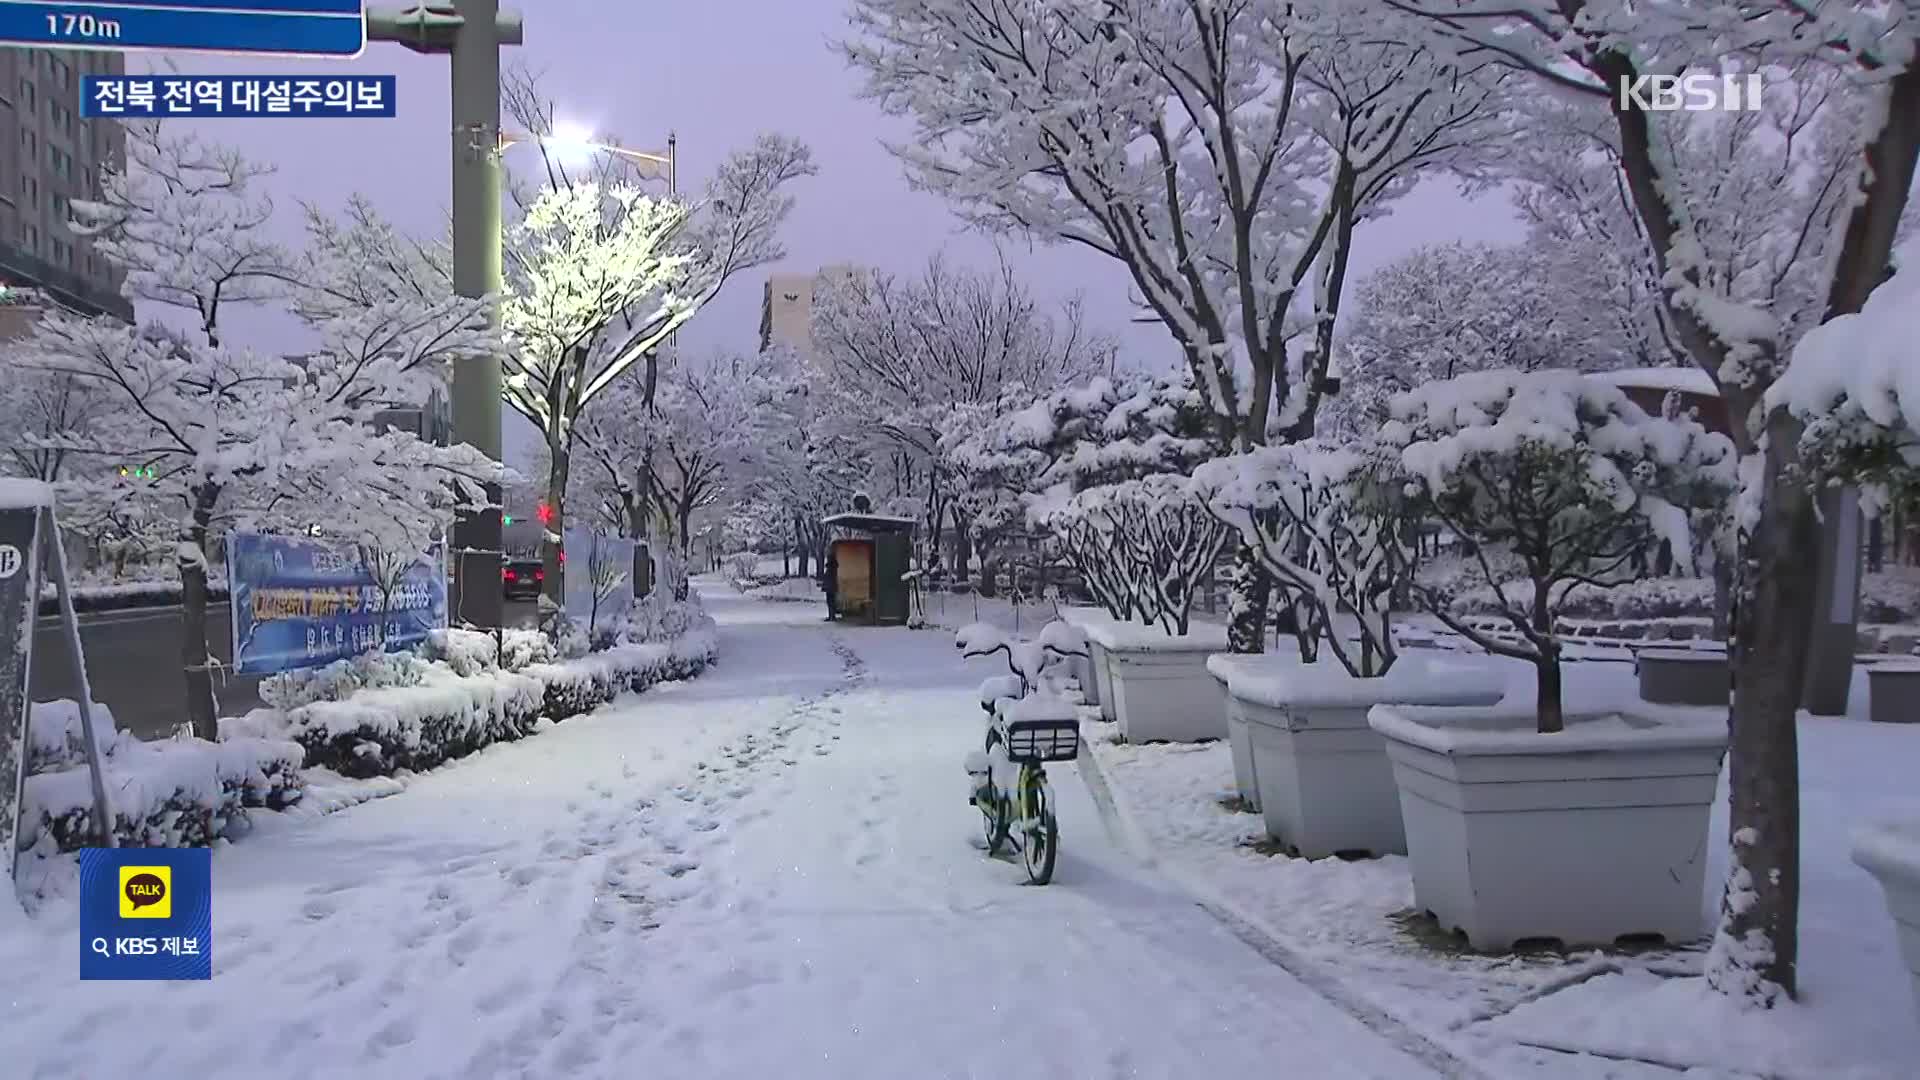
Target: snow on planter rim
[(1084, 616), (1224, 666), (1889, 848), (1133, 637), (1710, 651), (1508, 728), (1326, 684), (17, 493)]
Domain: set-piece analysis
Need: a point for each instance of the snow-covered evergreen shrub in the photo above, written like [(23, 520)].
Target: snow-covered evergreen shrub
[(172, 793), (369, 670), (446, 715), (1565, 472), (1327, 522)]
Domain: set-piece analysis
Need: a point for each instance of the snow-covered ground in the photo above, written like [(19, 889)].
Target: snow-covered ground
[(764, 871), (1348, 921)]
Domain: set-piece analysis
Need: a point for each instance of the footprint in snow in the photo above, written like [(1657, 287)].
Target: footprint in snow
[(317, 909)]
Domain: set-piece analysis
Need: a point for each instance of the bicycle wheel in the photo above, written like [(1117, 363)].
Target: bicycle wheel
[(995, 809), (1041, 845)]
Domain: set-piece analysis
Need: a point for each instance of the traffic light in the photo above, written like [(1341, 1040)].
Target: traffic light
[(506, 519), (545, 513), (136, 472)]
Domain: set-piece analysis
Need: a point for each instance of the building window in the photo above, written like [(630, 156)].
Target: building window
[(62, 116), (30, 235), (62, 161), (59, 202), (62, 72), (30, 188), (27, 140), (26, 93)]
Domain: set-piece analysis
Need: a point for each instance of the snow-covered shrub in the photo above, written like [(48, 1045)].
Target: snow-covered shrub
[(370, 670), (56, 740), (180, 792), (1571, 476), (1327, 523), (1143, 546), (1098, 469), (1854, 383), (659, 617), (469, 652), (382, 729)]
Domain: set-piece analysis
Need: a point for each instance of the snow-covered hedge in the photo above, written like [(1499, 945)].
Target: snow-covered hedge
[(409, 713), (173, 793)]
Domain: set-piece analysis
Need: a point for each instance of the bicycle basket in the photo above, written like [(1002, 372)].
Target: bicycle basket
[(1043, 740)]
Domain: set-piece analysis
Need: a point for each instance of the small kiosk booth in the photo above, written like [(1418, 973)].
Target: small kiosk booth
[(868, 556)]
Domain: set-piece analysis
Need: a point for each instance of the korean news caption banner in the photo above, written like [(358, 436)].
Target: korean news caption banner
[(290, 27), (300, 603), (237, 95), (146, 913), (597, 589)]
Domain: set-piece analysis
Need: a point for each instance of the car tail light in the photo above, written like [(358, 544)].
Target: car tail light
[(510, 576), (539, 575)]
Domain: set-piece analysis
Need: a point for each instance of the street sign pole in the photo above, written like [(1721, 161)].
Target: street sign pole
[(471, 33)]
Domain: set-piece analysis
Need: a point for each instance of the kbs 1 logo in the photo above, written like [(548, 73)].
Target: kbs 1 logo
[(1696, 91)]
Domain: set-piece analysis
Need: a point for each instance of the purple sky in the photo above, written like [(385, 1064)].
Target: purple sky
[(717, 74)]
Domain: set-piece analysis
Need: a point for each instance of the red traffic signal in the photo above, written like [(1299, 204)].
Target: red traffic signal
[(544, 513)]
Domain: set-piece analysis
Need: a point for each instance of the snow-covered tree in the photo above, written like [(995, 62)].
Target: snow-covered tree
[(1567, 474), (1089, 467), (915, 356), (232, 438), (1592, 50), (1327, 522), (1448, 309), (711, 428), (1221, 153)]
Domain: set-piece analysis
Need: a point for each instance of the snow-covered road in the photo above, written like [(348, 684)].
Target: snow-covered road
[(763, 872)]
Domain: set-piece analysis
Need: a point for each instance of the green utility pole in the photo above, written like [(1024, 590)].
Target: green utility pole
[(471, 33)]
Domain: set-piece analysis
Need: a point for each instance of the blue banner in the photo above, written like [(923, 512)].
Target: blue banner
[(146, 913), (300, 603), (289, 27), (237, 95)]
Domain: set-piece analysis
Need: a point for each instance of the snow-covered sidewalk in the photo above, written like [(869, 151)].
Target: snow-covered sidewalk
[(1583, 1016), (765, 871)]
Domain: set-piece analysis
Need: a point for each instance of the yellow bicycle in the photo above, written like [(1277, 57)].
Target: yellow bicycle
[(1033, 722)]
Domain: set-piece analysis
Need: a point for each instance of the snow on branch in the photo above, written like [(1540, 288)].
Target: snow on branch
[(1566, 472), (1327, 523)]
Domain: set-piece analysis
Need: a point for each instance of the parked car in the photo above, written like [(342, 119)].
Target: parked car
[(523, 578)]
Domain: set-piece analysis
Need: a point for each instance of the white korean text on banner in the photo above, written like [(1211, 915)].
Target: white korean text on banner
[(301, 603), (597, 588)]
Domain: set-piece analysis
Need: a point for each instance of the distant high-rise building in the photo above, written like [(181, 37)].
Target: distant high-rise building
[(49, 156), (786, 308)]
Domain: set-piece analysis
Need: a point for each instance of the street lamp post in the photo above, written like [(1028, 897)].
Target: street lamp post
[(471, 33)]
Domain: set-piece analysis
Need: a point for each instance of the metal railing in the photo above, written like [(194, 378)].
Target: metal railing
[(64, 286)]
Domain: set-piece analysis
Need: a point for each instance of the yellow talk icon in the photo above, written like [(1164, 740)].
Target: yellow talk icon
[(146, 892)]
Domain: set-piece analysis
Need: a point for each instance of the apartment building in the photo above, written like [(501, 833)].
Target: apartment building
[(48, 157), (786, 308)]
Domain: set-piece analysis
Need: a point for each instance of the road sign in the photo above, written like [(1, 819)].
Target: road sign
[(292, 27)]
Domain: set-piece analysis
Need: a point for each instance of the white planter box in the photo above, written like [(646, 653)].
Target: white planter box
[(1586, 836), (1102, 681), (1086, 671), (1325, 782), (1890, 851), (1223, 666), (1157, 685)]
